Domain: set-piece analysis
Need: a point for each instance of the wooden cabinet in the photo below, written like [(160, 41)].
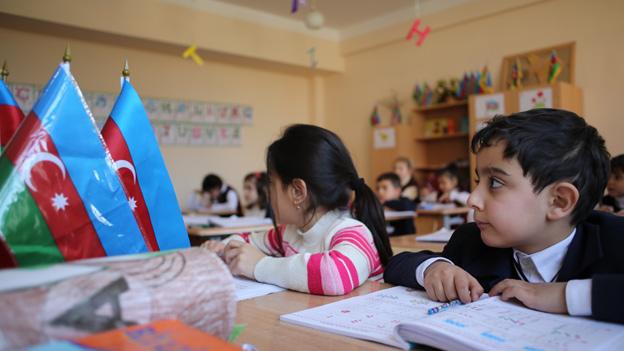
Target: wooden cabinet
[(434, 137)]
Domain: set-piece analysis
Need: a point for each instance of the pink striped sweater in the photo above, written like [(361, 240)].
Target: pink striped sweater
[(332, 258)]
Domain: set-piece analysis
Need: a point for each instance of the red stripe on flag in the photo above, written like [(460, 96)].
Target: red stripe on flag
[(119, 151), (54, 193), (10, 118)]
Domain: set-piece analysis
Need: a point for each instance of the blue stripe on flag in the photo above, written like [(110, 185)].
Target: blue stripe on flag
[(162, 204), (6, 98), (64, 114)]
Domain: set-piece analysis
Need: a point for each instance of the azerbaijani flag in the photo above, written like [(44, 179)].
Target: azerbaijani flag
[(130, 138), (10, 115), (60, 198)]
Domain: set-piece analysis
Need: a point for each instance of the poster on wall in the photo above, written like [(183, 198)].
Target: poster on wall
[(175, 122), (384, 138), (488, 106), (536, 98)]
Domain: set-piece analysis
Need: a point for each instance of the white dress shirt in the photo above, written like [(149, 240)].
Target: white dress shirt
[(231, 203), (539, 267)]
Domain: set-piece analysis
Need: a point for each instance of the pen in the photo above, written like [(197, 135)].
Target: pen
[(443, 307)]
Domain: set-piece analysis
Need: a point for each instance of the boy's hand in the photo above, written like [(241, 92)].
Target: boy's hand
[(214, 246), (242, 258), (547, 297), (444, 198), (446, 282)]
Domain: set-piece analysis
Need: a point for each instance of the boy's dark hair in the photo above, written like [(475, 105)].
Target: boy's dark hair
[(262, 183), (617, 164), (211, 181), (393, 178), (318, 157), (450, 171), (553, 145)]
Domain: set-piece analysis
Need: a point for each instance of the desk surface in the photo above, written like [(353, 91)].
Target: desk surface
[(444, 211), (219, 231), (408, 243), (266, 332)]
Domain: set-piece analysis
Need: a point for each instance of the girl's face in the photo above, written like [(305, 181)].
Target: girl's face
[(282, 202), (446, 183), (401, 169), (250, 192)]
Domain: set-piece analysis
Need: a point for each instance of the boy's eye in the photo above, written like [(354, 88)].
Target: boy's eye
[(495, 183)]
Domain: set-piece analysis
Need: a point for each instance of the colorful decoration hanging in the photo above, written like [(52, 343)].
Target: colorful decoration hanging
[(555, 67), (396, 112), (191, 52), (295, 5), (422, 35), (417, 94)]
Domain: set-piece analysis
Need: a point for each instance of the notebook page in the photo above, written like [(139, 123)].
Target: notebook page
[(248, 289), (492, 324), (369, 317)]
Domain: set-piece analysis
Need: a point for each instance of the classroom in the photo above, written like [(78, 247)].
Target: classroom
[(213, 174)]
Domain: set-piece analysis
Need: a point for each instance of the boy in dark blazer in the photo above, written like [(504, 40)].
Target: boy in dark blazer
[(535, 237), (389, 194)]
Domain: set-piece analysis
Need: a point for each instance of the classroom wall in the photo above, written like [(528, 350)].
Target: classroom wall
[(467, 37), (278, 97)]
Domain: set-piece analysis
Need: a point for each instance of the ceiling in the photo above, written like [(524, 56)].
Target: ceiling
[(344, 17)]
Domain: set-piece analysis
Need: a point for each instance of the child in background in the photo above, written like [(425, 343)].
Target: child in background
[(614, 200), (536, 239), (255, 194), (215, 197), (409, 187), (389, 194), (448, 183), (319, 246)]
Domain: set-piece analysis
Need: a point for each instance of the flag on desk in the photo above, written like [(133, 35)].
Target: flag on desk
[(10, 115), (130, 138), (60, 197)]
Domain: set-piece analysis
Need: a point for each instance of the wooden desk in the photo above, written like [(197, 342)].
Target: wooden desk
[(428, 221), (403, 243), (220, 231), (266, 332)]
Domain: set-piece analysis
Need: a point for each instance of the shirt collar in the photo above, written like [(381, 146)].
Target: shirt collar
[(548, 261)]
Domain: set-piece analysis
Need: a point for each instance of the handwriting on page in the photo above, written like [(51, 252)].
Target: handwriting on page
[(371, 316), (504, 325)]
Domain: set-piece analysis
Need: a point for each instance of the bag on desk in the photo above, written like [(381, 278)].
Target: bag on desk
[(77, 299)]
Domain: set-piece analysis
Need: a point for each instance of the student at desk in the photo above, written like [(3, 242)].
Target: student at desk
[(448, 183), (215, 196), (536, 238), (320, 246), (255, 194), (389, 194)]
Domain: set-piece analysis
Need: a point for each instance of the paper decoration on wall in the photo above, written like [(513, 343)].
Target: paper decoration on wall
[(384, 138), (488, 106), (516, 74), (191, 52), (175, 122), (313, 60), (422, 34), (536, 98)]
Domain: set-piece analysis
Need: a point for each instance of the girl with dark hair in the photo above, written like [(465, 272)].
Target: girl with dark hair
[(255, 194), (331, 235)]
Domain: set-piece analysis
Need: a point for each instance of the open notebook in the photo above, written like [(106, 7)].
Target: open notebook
[(398, 317)]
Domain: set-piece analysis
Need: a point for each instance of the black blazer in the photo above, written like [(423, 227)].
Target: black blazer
[(596, 252), (402, 226)]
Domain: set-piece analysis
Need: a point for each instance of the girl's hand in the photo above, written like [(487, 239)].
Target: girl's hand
[(242, 258), (214, 246), (547, 297)]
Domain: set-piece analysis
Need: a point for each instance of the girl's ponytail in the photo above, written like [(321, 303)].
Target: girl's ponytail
[(367, 209)]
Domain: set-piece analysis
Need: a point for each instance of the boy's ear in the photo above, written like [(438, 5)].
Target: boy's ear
[(564, 197), (298, 191)]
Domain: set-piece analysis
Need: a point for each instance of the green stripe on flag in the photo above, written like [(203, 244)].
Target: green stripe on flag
[(21, 222)]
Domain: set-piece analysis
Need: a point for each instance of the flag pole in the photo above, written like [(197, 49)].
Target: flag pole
[(67, 55), (4, 73)]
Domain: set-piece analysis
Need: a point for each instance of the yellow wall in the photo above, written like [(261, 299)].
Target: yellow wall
[(278, 98), (462, 39)]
